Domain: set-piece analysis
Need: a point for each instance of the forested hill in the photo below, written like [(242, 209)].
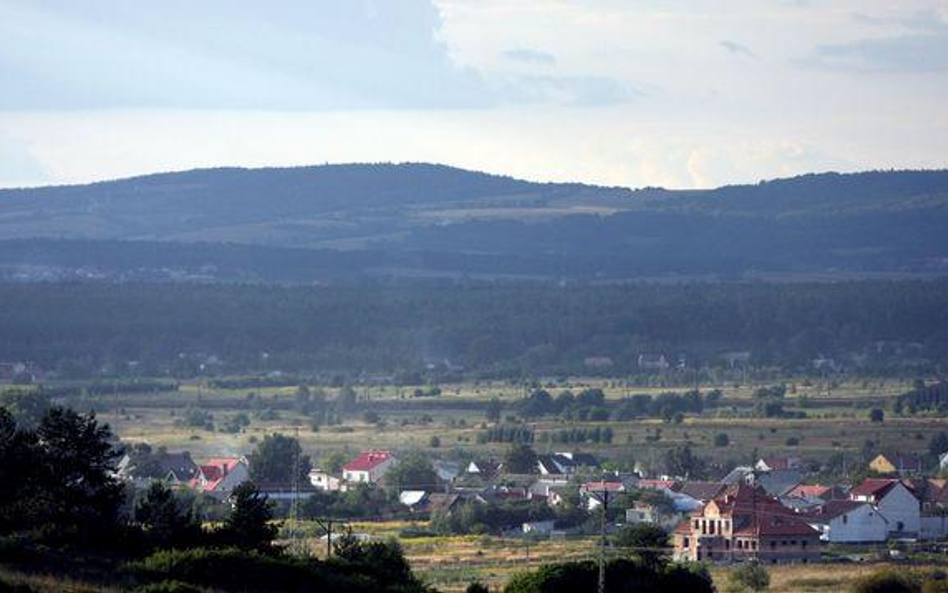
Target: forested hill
[(326, 223)]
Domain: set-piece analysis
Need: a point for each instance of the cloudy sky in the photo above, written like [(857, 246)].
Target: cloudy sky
[(676, 93)]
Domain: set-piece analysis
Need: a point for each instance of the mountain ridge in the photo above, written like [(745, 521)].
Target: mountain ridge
[(821, 223)]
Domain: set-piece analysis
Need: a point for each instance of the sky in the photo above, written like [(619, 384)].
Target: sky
[(674, 93)]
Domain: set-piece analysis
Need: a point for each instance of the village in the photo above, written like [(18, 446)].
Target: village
[(771, 512)]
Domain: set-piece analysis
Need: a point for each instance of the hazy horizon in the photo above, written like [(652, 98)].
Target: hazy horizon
[(613, 93)]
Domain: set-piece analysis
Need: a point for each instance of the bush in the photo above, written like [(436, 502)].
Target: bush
[(621, 575), (750, 576), (721, 440), (232, 569), (886, 581)]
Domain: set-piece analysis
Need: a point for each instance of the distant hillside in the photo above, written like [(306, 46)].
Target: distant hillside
[(327, 223)]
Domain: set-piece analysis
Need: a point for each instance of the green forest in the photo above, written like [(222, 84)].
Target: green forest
[(84, 330)]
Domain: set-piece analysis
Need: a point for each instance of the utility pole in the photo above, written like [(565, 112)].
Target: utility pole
[(326, 524), (602, 495), (296, 542)]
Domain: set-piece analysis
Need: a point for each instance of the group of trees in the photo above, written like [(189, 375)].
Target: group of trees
[(61, 500), (491, 330)]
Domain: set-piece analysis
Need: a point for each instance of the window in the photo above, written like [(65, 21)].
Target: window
[(773, 545), (845, 519), (727, 544)]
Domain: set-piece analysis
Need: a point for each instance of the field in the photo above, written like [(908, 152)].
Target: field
[(836, 421)]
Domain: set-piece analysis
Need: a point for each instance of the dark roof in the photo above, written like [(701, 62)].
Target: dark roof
[(551, 464), (702, 490), (833, 509)]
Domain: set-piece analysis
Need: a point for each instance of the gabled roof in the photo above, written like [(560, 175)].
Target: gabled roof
[(928, 489), (765, 524), (702, 491), (550, 464), (211, 473), (903, 461), (810, 491), (775, 463), (367, 461), (874, 487), (659, 484), (603, 487), (833, 509), (484, 467), (778, 482)]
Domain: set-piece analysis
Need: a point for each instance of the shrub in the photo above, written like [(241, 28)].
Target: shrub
[(751, 576), (721, 440), (886, 581)]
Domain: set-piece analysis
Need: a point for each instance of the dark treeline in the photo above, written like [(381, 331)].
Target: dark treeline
[(64, 512), (88, 330)]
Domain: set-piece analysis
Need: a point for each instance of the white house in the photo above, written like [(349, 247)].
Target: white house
[(894, 500), (849, 521), (322, 480), (368, 467)]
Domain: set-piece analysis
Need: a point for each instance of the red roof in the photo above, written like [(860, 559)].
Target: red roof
[(368, 461), (809, 491), (603, 486), (657, 484), (777, 525), (210, 474), (874, 487)]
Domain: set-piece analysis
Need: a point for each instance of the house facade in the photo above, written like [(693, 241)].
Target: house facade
[(849, 521), (895, 501), (746, 524), (368, 468)]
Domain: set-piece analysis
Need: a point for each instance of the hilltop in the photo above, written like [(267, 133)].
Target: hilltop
[(323, 223)]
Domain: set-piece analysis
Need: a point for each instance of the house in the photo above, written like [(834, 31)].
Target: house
[(486, 469), (738, 475), (653, 362), (933, 496), (415, 500), (141, 465), (849, 521), (776, 482), (745, 523), (550, 490), (368, 468), (538, 528), (653, 514), (218, 477), (439, 502), (554, 465), (702, 492), (903, 464), (578, 459), (895, 501), (447, 471), (322, 480), (807, 497), (285, 492), (594, 493), (943, 461), (768, 464)]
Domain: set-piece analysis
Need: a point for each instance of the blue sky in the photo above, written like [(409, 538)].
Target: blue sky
[(624, 92)]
